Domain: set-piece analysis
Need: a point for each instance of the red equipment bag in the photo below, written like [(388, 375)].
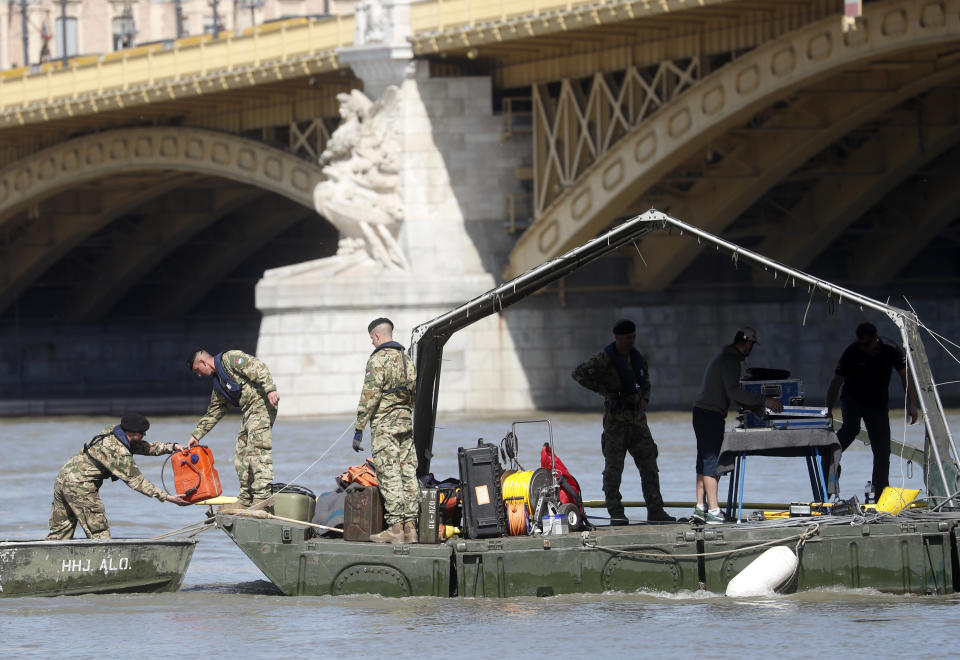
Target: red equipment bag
[(365, 475), (570, 493), (194, 475)]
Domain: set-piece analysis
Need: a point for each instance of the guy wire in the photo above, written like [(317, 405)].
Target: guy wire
[(287, 484)]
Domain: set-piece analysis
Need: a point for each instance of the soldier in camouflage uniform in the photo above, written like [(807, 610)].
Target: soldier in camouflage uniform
[(389, 388), (619, 373), (244, 381), (76, 496)]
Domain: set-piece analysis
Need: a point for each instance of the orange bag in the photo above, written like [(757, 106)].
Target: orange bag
[(194, 475), (365, 475)]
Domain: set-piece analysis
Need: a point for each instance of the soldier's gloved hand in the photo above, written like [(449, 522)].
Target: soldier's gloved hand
[(357, 439)]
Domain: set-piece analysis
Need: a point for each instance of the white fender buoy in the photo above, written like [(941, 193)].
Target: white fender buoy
[(764, 574)]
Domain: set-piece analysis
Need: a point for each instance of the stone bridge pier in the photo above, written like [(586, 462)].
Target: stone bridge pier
[(416, 184)]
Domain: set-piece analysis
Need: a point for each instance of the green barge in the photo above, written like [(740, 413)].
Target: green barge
[(914, 552), (904, 554)]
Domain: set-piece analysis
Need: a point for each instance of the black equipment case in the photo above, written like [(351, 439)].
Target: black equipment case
[(484, 515), (362, 513)]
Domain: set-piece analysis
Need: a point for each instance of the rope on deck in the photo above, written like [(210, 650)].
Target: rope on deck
[(252, 513), (801, 538)]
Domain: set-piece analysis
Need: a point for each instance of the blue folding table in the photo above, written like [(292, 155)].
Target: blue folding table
[(820, 447)]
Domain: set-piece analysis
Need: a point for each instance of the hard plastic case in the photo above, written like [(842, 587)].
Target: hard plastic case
[(484, 515), (788, 391)]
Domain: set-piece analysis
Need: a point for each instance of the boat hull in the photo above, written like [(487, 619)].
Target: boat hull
[(303, 566), (64, 568), (893, 557)]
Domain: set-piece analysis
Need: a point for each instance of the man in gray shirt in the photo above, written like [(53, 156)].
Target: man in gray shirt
[(720, 387)]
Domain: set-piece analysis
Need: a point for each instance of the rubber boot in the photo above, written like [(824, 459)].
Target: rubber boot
[(392, 534), (650, 484), (410, 534)]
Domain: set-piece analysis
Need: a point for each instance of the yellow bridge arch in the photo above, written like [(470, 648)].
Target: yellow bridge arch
[(728, 97), (42, 238), (156, 148)]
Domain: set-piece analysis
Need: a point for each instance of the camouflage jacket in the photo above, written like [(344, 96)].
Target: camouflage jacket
[(255, 383), (118, 460), (599, 375), (386, 390)]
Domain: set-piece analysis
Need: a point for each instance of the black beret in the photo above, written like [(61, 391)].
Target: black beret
[(134, 422), (624, 327), (375, 322)]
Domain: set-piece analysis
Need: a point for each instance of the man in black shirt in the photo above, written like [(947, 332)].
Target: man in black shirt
[(864, 371)]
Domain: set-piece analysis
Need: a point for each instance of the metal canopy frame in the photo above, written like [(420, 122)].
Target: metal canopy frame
[(940, 458)]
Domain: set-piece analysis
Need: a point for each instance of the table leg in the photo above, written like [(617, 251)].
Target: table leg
[(743, 461), (823, 482), (731, 489)]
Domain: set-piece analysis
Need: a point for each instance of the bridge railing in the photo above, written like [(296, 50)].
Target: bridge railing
[(186, 59), (445, 14)]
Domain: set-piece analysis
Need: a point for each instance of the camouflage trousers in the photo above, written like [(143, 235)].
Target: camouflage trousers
[(395, 458), (77, 503), (635, 438), (253, 457)]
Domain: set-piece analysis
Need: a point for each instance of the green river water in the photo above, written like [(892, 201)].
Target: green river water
[(226, 607)]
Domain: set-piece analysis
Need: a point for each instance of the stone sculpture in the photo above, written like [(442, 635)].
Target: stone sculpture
[(360, 194), (370, 22)]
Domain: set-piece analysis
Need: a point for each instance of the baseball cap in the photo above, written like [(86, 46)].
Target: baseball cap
[(746, 333)]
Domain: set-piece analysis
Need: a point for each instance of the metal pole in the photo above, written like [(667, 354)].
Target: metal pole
[(178, 7), (216, 21), (19, 343), (26, 37), (63, 32), (689, 504)]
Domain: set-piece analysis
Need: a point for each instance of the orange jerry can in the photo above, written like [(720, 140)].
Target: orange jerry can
[(194, 475)]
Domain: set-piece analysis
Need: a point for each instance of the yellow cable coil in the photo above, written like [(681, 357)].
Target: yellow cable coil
[(516, 497), (516, 487)]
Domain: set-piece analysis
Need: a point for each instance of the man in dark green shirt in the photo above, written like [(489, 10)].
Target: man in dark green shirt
[(619, 373)]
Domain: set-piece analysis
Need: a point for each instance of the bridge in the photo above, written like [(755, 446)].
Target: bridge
[(153, 186)]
